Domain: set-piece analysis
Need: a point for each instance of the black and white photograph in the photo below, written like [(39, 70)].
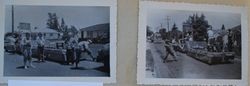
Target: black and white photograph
[(208, 44), (70, 40), (57, 41), (193, 44)]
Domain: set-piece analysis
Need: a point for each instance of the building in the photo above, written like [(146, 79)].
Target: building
[(95, 32), (48, 33)]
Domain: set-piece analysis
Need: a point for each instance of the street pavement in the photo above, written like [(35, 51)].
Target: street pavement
[(13, 67), (186, 67)]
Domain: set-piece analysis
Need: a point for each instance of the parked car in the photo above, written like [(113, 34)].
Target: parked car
[(53, 51), (104, 56), (10, 42)]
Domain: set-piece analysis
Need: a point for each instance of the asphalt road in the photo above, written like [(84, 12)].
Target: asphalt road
[(186, 67), (13, 67)]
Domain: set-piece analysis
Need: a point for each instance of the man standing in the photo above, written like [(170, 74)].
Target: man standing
[(40, 47), (70, 51), (27, 50), (211, 40), (79, 50), (71, 46), (230, 41)]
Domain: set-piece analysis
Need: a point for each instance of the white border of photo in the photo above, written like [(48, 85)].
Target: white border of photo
[(141, 53), (113, 36)]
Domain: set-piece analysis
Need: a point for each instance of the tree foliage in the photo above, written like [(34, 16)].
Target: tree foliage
[(163, 33), (223, 27), (175, 33), (200, 26), (149, 31), (52, 22)]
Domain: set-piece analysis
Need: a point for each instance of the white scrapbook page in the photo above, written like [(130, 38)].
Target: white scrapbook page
[(50, 83), (192, 44), (66, 40)]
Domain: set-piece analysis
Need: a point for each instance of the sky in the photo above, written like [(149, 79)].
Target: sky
[(156, 17), (37, 16)]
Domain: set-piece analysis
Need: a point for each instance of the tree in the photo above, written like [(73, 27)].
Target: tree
[(73, 30), (200, 26), (174, 27), (175, 33), (163, 33), (52, 22), (149, 31), (69, 32), (223, 27)]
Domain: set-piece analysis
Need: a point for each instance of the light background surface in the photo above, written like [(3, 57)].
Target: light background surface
[(127, 25), (148, 6)]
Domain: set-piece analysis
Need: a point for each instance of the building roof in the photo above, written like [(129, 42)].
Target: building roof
[(238, 27), (44, 30), (98, 27)]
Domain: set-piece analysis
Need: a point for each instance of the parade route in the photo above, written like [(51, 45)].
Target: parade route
[(187, 67)]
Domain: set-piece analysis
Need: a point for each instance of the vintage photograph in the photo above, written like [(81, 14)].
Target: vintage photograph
[(52, 41), (193, 44), (181, 43)]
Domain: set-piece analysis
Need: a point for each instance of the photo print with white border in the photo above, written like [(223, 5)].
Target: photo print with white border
[(192, 44), (70, 40)]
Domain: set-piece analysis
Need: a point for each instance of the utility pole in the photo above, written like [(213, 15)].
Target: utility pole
[(12, 18), (168, 20), (161, 26)]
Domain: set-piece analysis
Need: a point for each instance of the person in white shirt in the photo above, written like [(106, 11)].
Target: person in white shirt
[(210, 34), (83, 47), (40, 47), (27, 50), (85, 44), (70, 51), (211, 40)]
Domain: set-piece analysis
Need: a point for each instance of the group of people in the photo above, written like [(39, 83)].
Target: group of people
[(74, 49), (23, 44), (27, 46), (222, 43)]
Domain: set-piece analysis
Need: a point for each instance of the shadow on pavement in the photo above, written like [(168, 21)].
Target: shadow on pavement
[(20, 67), (78, 68)]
